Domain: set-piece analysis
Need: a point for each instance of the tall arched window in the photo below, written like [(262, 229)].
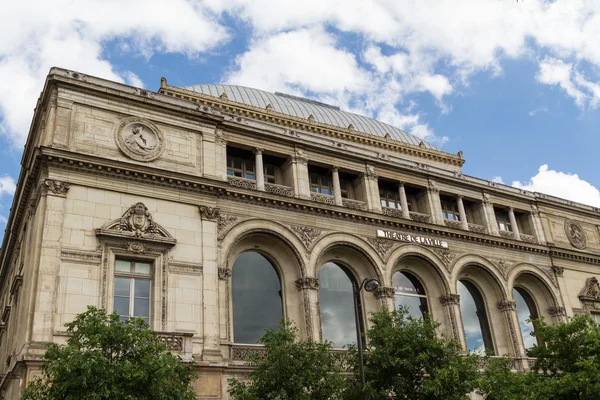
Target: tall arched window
[(256, 297), (337, 304), (409, 293), (474, 316), (526, 310)]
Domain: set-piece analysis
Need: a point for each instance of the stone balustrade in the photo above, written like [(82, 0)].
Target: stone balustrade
[(507, 234), (528, 238), (477, 228), (392, 212), (241, 182), (452, 223), (419, 217), (322, 198), (279, 189), (179, 342), (354, 204)]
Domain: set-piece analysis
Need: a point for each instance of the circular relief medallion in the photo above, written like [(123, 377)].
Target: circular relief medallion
[(575, 234), (140, 139)]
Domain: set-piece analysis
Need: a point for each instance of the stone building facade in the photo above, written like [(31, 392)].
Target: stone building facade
[(213, 210)]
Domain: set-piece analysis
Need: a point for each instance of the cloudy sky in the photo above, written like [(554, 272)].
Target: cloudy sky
[(513, 84)]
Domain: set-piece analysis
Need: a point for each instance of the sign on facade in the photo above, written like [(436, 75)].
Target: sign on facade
[(404, 237)]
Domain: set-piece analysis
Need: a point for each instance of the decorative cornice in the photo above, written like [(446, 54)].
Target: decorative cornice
[(81, 256), (185, 268), (307, 283), (59, 188), (224, 273), (450, 299), (384, 292), (209, 213), (307, 234), (380, 245), (506, 305)]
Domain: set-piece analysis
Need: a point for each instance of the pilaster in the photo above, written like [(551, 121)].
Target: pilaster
[(337, 190), (385, 294), (462, 213), (513, 223), (434, 203), (309, 287), (490, 216), (403, 200), (214, 155), (300, 172), (260, 172), (536, 223), (452, 303), (372, 188), (509, 308)]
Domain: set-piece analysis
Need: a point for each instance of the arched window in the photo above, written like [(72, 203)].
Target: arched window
[(256, 297), (409, 293), (474, 316), (526, 310), (337, 304)]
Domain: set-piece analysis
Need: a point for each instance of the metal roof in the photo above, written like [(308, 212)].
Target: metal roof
[(303, 108)]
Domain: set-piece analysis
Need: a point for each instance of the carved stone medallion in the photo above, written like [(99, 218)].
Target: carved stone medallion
[(140, 139), (575, 234)]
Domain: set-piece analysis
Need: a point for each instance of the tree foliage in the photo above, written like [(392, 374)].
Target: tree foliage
[(406, 358), (109, 359), (291, 369)]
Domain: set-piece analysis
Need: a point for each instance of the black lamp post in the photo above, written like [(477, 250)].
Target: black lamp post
[(370, 285)]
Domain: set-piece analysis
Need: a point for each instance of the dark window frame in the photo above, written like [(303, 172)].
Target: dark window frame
[(450, 210), (481, 312), (134, 276), (416, 282)]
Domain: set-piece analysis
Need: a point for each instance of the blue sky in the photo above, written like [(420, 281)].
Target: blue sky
[(514, 85)]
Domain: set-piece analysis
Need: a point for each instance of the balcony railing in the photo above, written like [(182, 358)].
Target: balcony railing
[(453, 224), (279, 189), (354, 204), (507, 234), (415, 216), (477, 228), (179, 342), (528, 238), (391, 212), (322, 198), (241, 182)]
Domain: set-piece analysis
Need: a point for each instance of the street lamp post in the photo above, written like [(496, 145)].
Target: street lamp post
[(370, 285)]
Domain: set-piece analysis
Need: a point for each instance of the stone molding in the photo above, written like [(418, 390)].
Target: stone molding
[(209, 213), (447, 257), (224, 273), (380, 245), (307, 234), (450, 299), (575, 234), (307, 283), (185, 268), (56, 187), (224, 221), (81, 256), (384, 292)]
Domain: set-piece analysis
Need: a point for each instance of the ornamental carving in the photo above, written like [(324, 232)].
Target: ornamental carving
[(446, 256), (549, 272), (322, 198), (300, 157), (140, 139), (135, 247), (57, 187), (506, 305), (557, 311), (558, 271), (503, 266), (382, 246), (224, 273), (450, 299), (354, 204), (575, 234), (224, 220), (137, 222), (209, 213), (370, 172), (306, 234), (242, 183), (384, 292), (307, 283), (590, 294)]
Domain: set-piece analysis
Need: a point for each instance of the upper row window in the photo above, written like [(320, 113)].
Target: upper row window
[(503, 221), (244, 168), (132, 289), (450, 211), (323, 184)]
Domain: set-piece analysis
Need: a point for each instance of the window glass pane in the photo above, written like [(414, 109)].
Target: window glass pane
[(142, 268), (141, 308), (383, 202), (269, 170), (407, 284), (324, 181), (122, 266), (337, 305), (596, 318), (121, 305), (392, 204), (122, 287), (250, 165), (325, 190), (237, 173), (270, 179), (249, 175), (477, 331), (314, 189), (417, 306), (314, 179), (229, 172), (142, 288), (256, 295), (237, 163), (525, 313)]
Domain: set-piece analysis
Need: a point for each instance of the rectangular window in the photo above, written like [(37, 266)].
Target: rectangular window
[(596, 318), (320, 184), (450, 211), (503, 221), (133, 282), (242, 168), (269, 173), (389, 198), (344, 188)]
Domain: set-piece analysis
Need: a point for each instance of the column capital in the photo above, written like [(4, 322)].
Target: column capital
[(58, 188), (450, 299), (335, 168), (506, 305), (384, 292), (460, 196), (307, 283), (258, 150)]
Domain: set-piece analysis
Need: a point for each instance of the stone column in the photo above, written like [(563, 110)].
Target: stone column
[(462, 213), (51, 120), (490, 216), (371, 187), (536, 223), (337, 190), (312, 314), (513, 223), (213, 160), (452, 303), (403, 201), (300, 172), (435, 204), (385, 294), (210, 285), (258, 166), (509, 308)]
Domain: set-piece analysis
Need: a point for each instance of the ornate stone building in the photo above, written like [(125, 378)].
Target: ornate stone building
[(213, 210)]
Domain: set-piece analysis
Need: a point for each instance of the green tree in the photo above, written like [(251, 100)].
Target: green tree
[(500, 382), (109, 359), (567, 365), (407, 359), (291, 369)]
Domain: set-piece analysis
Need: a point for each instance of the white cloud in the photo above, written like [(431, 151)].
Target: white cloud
[(3, 220), (565, 185), (498, 179), (7, 185), (37, 35), (556, 72)]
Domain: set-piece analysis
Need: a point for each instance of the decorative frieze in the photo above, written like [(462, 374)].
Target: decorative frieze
[(59, 188), (450, 299), (224, 220), (380, 245), (384, 292), (306, 234), (528, 238), (241, 182), (280, 190), (354, 204), (224, 273), (209, 213), (307, 283), (185, 268), (322, 198), (415, 216), (503, 266), (391, 212), (477, 228), (506, 305), (575, 234), (446, 256), (452, 224), (507, 234), (81, 256), (557, 311)]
